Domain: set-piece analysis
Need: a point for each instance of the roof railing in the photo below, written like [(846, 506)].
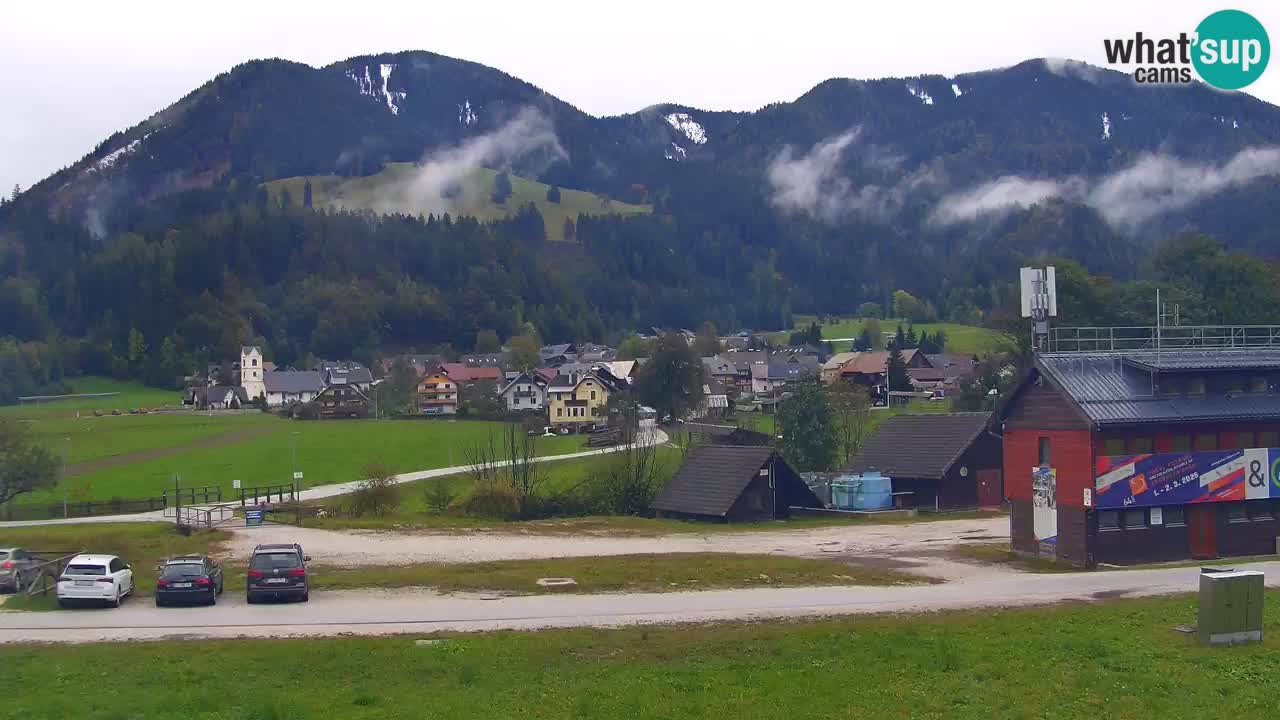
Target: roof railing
[(1152, 339)]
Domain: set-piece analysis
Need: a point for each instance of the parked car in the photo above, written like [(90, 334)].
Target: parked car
[(278, 571), (100, 578), (15, 568), (189, 578)]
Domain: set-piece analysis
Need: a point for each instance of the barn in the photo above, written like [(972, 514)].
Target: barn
[(945, 461), (734, 484), (1143, 456)]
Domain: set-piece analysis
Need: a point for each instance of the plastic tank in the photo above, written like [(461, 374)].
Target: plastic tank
[(865, 491)]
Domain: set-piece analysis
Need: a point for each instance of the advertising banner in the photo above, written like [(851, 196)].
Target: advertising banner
[(1044, 506), (1193, 477)]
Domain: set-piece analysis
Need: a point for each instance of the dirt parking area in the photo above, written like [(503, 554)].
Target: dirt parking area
[(917, 547)]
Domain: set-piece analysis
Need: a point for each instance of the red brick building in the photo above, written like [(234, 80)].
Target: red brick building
[(1143, 456)]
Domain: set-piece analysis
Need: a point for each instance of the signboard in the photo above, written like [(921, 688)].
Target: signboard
[(252, 518), (297, 475), (1157, 516), (1044, 507), (235, 484), (1125, 481)]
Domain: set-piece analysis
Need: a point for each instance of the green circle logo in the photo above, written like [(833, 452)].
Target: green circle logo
[(1231, 50)]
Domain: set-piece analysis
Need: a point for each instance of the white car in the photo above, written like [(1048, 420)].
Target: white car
[(100, 578)]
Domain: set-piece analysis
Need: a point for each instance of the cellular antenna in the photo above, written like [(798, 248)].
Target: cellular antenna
[(1039, 302)]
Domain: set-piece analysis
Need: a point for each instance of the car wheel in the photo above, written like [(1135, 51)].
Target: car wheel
[(116, 602), (159, 602), (306, 596), (213, 598)]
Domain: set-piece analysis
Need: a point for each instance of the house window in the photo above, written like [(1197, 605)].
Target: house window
[(1113, 446), (1175, 515), (1244, 440), (1258, 385), (1181, 443), (1207, 441), (1109, 520), (255, 362), (559, 412), (1135, 519), (1237, 513), (1269, 439), (1140, 444), (593, 394), (1044, 452), (517, 401)]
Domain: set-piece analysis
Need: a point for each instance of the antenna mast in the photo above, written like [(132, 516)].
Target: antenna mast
[(1039, 302)]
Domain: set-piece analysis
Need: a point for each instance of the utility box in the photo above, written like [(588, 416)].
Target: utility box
[(1230, 607)]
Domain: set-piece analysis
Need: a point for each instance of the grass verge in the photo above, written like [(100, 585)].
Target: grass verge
[(1117, 659), (620, 573), (999, 553)]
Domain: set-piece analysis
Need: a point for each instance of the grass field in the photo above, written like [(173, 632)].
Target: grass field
[(962, 339), (392, 190), (131, 395), (93, 438), (1108, 660)]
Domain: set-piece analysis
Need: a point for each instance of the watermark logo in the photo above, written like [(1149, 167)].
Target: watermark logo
[(1229, 50)]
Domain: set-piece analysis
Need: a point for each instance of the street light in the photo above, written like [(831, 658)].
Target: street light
[(65, 447)]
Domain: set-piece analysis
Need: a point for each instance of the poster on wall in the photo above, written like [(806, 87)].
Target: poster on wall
[(1123, 481), (1044, 506)]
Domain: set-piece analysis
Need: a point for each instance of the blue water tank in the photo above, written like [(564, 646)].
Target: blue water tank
[(866, 491)]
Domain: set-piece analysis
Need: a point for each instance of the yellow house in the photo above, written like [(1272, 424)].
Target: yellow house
[(577, 399), (437, 395)]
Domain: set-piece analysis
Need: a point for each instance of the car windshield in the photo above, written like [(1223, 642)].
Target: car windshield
[(275, 561), (183, 570), (85, 570)]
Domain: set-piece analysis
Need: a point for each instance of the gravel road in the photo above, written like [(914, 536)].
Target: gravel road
[(404, 611)]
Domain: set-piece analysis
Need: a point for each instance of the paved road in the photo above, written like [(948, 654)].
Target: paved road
[(320, 492), (418, 611)]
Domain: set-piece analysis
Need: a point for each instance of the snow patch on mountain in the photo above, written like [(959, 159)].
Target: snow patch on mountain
[(685, 124), (1106, 126), (917, 91), (467, 115), (390, 96), (365, 83), (675, 152), (110, 159), (956, 89)]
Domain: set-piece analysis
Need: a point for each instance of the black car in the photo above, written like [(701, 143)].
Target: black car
[(188, 579), (278, 572)]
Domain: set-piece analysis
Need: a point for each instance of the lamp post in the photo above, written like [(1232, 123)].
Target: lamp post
[(66, 445), (293, 463)]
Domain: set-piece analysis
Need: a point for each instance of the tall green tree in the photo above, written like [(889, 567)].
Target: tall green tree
[(25, 466), (487, 341), (671, 381), (707, 341), (632, 347), (896, 370), (851, 408), (526, 351), (809, 441)]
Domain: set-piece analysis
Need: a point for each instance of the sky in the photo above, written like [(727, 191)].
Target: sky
[(78, 70)]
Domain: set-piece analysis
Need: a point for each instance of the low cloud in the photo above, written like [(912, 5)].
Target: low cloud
[(528, 139), (813, 184), (1154, 185), (1074, 69)]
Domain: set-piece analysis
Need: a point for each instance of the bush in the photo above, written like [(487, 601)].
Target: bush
[(491, 500), (306, 411), (438, 495), (376, 494)]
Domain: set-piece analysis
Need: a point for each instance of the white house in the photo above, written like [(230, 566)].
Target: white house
[(526, 391), (286, 386), (251, 372)]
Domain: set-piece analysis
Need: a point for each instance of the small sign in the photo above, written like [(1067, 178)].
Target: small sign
[(1157, 516), (235, 484), (297, 475), (252, 518), (764, 472), (1088, 497)]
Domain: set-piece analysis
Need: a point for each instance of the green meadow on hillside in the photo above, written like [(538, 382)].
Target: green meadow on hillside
[(393, 191), (960, 338)]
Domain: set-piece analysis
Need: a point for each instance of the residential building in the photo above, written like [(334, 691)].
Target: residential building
[(728, 483), (525, 392), (1145, 456), (341, 401), (477, 360), (217, 397), (462, 374), (715, 400), (557, 355), (346, 372), (437, 395), (624, 370), (284, 387), (938, 461), (721, 368), (768, 377), (870, 368), (832, 367), (592, 352), (251, 372), (579, 399)]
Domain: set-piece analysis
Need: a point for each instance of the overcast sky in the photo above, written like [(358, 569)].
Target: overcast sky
[(79, 70)]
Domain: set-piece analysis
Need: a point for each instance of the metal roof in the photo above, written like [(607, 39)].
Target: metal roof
[(284, 381), (1117, 389), (919, 446)]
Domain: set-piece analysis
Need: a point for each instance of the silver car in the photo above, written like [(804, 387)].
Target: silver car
[(16, 568)]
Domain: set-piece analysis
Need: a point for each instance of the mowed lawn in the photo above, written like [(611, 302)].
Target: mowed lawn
[(1117, 659), (89, 438), (962, 339), (131, 395), (327, 451)]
